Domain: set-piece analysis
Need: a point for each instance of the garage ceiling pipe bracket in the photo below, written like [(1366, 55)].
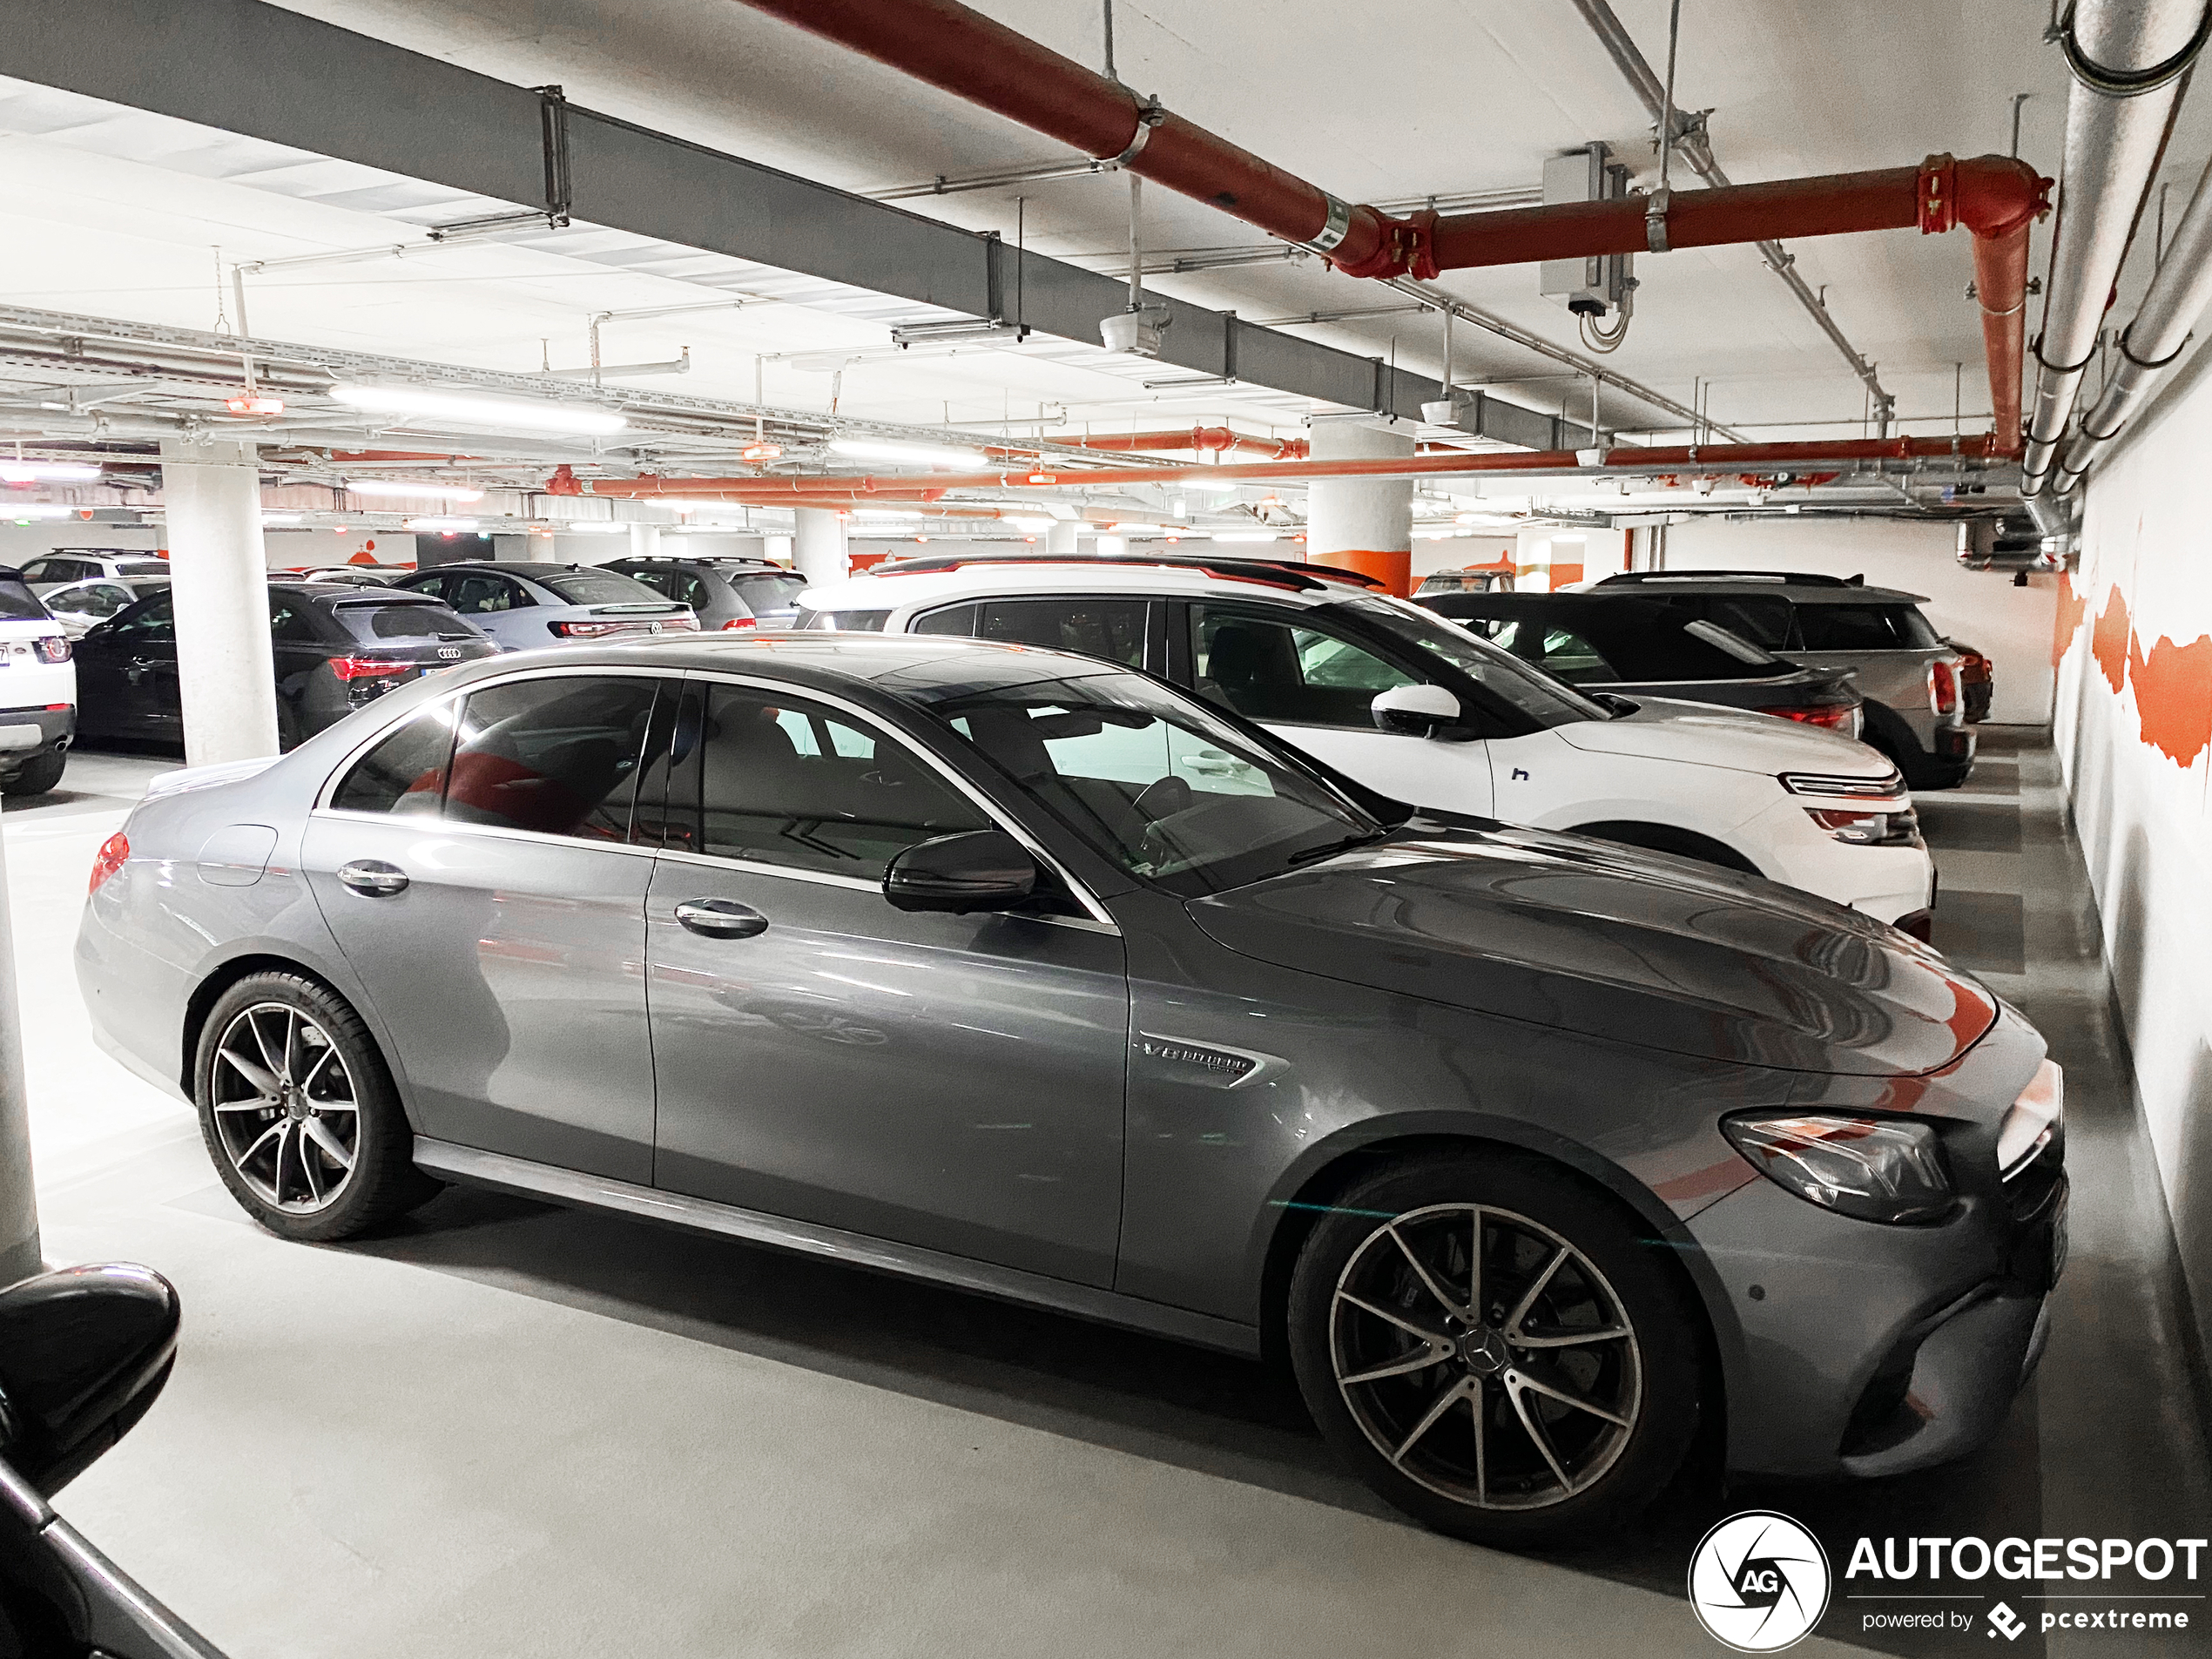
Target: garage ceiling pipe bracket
[(553, 133)]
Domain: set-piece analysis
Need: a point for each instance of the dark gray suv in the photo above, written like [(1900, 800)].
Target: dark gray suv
[(1031, 974), (725, 593)]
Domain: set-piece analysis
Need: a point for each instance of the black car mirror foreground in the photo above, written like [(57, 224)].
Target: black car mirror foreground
[(82, 1353), (1415, 711), (976, 870)]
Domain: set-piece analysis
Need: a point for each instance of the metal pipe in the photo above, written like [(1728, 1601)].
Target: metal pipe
[(2128, 58), (1215, 439), (2178, 294)]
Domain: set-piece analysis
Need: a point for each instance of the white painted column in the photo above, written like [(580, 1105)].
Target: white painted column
[(1364, 524), (219, 574), (818, 544), (1060, 540), (19, 1255), (644, 540)]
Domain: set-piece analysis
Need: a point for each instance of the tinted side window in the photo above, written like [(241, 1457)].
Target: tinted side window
[(1112, 629), (659, 578), (476, 595), (783, 780), (1270, 669), (557, 754), (406, 774), (1864, 628), (946, 619), (154, 624), (1761, 620), (1573, 659), (289, 622)]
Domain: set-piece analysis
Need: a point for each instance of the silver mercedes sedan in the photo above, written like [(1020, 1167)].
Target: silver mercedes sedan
[(1029, 975)]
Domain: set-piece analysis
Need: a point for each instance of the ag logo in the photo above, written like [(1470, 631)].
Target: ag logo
[(1758, 1581)]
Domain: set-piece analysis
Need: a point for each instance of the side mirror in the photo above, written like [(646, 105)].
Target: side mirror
[(976, 870), (82, 1353), (1415, 711)]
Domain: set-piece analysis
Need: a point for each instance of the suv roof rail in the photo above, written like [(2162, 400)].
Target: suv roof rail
[(1293, 574), (1799, 578)]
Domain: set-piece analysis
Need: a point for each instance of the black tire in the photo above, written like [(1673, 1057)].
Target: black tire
[(36, 777), (272, 1156), (1647, 1387), (287, 727)]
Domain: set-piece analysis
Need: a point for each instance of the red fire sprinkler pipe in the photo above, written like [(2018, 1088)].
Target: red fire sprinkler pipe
[(1218, 440)]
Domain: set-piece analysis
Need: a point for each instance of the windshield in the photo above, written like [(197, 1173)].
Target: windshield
[(599, 588), (1544, 699), (371, 620), (1157, 782)]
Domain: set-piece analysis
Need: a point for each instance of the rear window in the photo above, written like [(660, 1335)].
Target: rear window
[(768, 592), (142, 566), (1868, 627), (372, 620), (846, 622), (19, 603), (599, 588)]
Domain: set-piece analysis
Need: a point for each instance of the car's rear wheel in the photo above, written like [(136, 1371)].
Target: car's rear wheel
[(1495, 1349), (299, 1113), (36, 777)]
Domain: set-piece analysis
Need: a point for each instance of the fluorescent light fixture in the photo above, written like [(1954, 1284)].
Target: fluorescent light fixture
[(280, 518), (886, 512), (1244, 536), (404, 487), (47, 472), (529, 414), (702, 506), (439, 524), (29, 509), (591, 527), (1140, 530), (909, 455), (1035, 526)]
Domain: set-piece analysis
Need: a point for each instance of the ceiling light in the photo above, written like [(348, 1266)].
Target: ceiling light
[(254, 404), (1180, 508), (529, 414), (47, 472), (886, 512), (1244, 536), (21, 512), (702, 506), (406, 487), (280, 518), (1036, 525), (446, 524), (1112, 546), (590, 527), (910, 454), (760, 452), (1140, 530), (1215, 486)]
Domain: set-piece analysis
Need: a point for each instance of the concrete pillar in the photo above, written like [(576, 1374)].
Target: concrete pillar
[(218, 573), (1364, 524), (645, 540), (1060, 540), (817, 548), (19, 1257)]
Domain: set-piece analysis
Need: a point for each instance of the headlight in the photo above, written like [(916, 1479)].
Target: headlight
[(1869, 829), (1874, 1168), (1818, 782)]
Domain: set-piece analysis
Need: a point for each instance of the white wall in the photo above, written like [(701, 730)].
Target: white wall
[(2134, 722), (1983, 608)]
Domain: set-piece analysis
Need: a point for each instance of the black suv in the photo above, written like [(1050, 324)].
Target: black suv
[(728, 592)]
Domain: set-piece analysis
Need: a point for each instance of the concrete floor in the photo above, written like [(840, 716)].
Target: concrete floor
[(509, 1429)]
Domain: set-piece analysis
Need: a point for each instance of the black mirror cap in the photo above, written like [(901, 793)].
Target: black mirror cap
[(975, 870), (84, 1352)]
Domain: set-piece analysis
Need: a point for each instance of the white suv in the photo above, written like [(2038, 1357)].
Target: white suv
[(37, 691), (1407, 703)]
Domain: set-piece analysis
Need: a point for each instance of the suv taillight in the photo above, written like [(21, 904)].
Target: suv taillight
[(1838, 718), (362, 668), (741, 622), (52, 648), (1943, 688), (109, 859)]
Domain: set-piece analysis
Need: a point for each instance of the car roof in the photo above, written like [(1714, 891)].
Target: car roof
[(985, 578), (1798, 588), (1517, 604), (745, 559), (337, 593)]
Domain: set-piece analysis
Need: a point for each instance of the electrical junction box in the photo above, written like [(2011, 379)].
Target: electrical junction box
[(1590, 288)]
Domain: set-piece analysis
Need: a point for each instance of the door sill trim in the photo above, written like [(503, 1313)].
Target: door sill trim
[(479, 1168)]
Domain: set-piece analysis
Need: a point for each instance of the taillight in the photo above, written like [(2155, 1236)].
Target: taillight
[(1839, 718), (113, 850), (741, 622), (362, 668), (52, 648), (1943, 688), (586, 629)]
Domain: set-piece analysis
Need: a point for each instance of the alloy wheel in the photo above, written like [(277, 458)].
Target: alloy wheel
[(1484, 1356), (285, 1108)]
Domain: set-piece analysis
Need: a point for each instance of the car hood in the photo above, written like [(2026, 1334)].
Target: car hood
[(1616, 943), (1706, 735)]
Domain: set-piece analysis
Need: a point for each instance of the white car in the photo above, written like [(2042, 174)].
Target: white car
[(1412, 705), (82, 606), (66, 564), (37, 691)]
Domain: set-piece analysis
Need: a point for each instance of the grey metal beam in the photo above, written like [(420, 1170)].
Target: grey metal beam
[(256, 68)]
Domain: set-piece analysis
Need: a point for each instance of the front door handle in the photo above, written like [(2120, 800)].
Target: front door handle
[(721, 918), (372, 878)]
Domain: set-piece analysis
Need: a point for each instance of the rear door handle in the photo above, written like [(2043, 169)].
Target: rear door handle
[(372, 878), (721, 918)]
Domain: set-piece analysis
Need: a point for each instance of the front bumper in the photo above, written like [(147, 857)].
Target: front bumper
[(1886, 882)]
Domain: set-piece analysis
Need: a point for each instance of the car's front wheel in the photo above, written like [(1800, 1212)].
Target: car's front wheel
[(1494, 1349), (299, 1113)]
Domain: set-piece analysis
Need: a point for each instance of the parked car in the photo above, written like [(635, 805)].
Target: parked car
[(84, 1352), (1635, 649), (37, 691), (82, 606), (1467, 580), (360, 575), (335, 649), (1907, 673), (724, 593), (526, 606), (1976, 680), (66, 564), (1416, 707), (1143, 1017)]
